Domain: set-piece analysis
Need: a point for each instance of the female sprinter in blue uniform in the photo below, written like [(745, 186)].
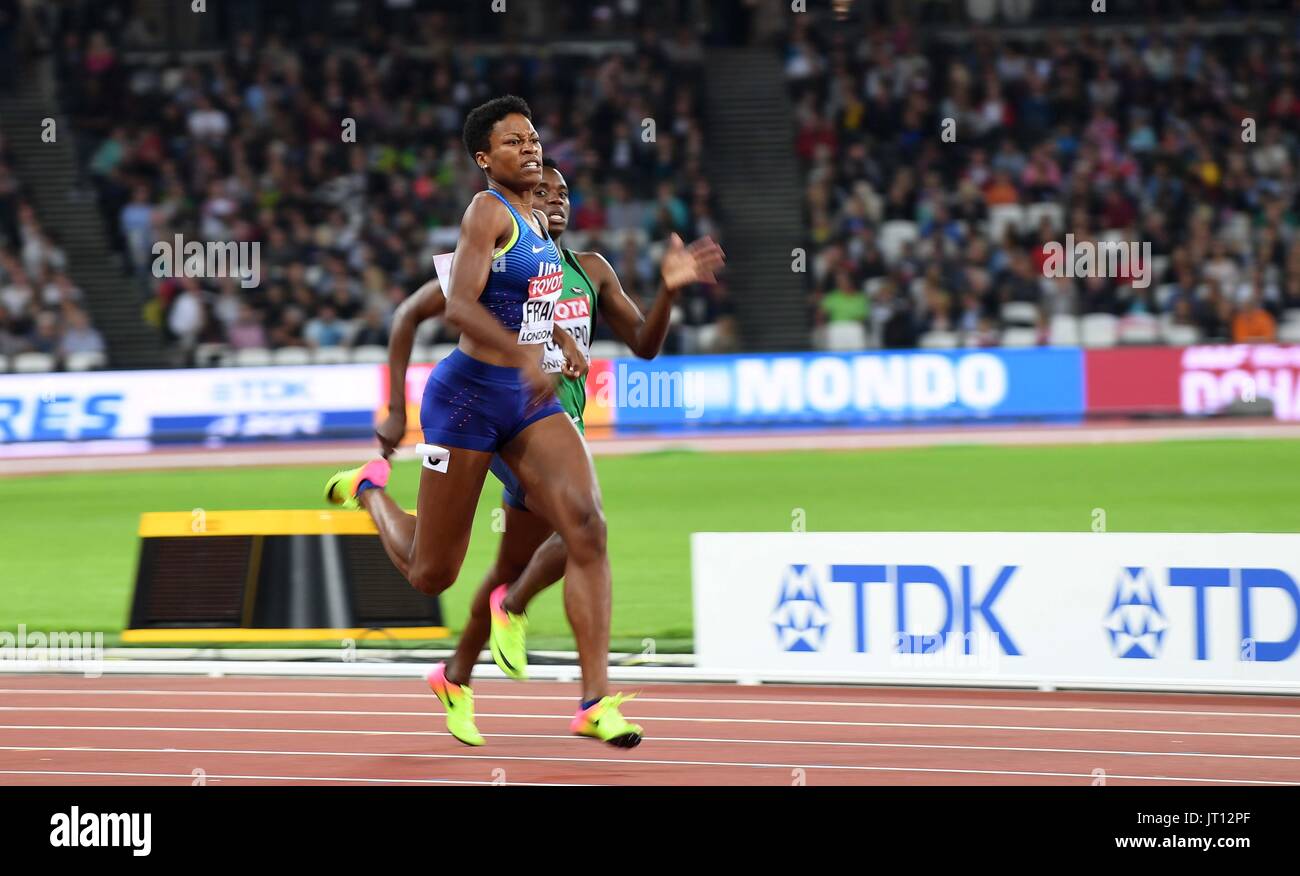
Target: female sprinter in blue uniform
[(591, 287), (491, 396)]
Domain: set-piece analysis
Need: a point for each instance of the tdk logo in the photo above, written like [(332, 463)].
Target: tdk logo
[(800, 618), (965, 607), (1135, 622)]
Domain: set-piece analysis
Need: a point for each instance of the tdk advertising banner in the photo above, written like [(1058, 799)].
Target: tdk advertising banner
[(1212, 610), (190, 406)]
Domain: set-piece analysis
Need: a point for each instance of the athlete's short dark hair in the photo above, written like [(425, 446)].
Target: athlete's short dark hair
[(550, 162), (478, 124)]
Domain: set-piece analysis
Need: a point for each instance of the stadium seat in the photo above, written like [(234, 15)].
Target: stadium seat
[(1139, 330), (4, 364), (708, 337), (1181, 335), (1020, 337), (1005, 216), (689, 335), (252, 356), (894, 234), (85, 361), (1017, 11), (370, 355), (1159, 264), (1289, 333), (33, 363), (1100, 330), (422, 353), (291, 356), (330, 356), (1237, 226), (209, 355), (578, 241), (1019, 313), (1035, 213), (609, 350), (1291, 314), (982, 11), (441, 351), (844, 337), (427, 330), (939, 340), (1064, 331), (1164, 294)]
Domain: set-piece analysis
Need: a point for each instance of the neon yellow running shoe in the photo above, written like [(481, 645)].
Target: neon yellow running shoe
[(507, 638), (341, 489), (458, 700), (603, 721)]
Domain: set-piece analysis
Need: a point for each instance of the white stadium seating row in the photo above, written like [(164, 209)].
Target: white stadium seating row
[(40, 363), (1092, 330), (207, 355)]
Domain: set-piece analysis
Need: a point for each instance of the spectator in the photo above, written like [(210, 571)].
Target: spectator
[(1253, 324), (326, 330), (844, 302), (46, 337), (187, 318), (372, 332), (79, 336), (289, 331), (247, 331)]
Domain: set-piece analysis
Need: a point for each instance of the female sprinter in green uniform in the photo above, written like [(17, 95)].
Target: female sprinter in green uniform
[(590, 285)]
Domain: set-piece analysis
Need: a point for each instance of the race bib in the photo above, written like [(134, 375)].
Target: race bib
[(442, 264), (539, 310), (572, 314)]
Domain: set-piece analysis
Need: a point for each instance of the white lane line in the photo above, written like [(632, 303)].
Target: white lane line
[(669, 718), (627, 760), (676, 700), (695, 740), (190, 777)]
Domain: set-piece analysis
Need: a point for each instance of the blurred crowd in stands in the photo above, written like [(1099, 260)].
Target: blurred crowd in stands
[(40, 307), (937, 169), (937, 162), (347, 165)]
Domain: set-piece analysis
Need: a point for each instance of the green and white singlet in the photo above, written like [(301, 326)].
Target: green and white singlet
[(575, 312)]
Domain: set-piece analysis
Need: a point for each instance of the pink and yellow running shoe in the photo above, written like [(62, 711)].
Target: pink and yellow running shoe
[(603, 721), (341, 489), (458, 700), (508, 636)]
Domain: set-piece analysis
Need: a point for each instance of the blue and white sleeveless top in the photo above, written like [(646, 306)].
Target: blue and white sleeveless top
[(525, 281)]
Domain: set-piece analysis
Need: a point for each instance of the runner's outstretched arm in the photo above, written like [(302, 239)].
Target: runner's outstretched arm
[(682, 266)]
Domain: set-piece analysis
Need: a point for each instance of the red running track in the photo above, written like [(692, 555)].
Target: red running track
[(261, 731)]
